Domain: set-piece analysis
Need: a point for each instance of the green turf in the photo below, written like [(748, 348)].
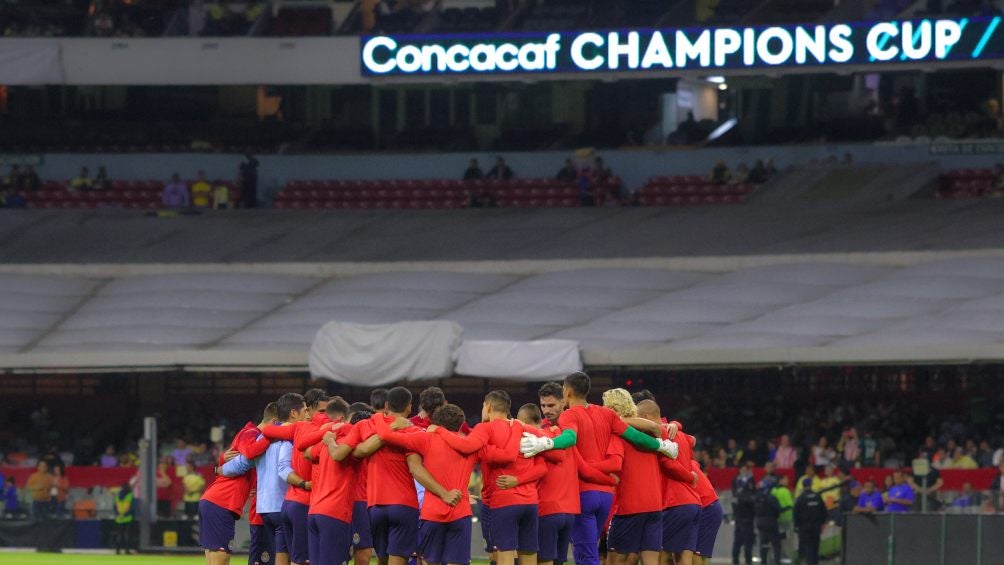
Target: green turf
[(17, 558)]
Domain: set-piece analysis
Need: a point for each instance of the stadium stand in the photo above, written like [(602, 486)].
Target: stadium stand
[(969, 183), (128, 194)]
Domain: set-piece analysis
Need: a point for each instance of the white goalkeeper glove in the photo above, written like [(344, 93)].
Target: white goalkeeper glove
[(669, 448), (531, 445)]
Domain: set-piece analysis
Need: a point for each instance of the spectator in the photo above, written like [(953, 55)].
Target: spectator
[(784, 522), (12, 506), (969, 498), (744, 513), (809, 516), (176, 193), (870, 500), (201, 191), (962, 460), (812, 475), (13, 178), (934, 484), (482, 198), (85, 507), (40, 489), (997, 486), (249, 181), (769, 475), (53, 459), (124, 518), (82, 181), (849, 448), (194, 483), (500, 171), (686, 133), (768, 515), (822, 453), (109, 459), (732, 453), (719, 173), (221, 196), (60, 491), (769, 168), (473, 171), (786, 455), (30, 180), (758, 174), (741, 175), (601, 172), (181, 453), (568, 173), (870, 455), (11, 199), (753, 454), (829, 488), (101, 180), (164, 483), (899, 498)]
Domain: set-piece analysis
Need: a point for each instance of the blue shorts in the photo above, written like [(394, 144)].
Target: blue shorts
[(395, 530), (274, 530), (445, 542), (294, 526), (486, 527), (258, 553), (707, 528), (515, 528), (634, 533), (216, 527), (589, 524), (679, 528), (329, 540), (554, 533), (362, 533)]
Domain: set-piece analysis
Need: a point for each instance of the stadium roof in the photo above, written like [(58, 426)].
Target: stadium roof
[(809, 311)]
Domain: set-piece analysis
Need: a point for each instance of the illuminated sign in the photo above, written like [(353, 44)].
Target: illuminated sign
[(911, 41)]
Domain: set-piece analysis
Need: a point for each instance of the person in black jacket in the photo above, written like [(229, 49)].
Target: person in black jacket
[(768, 510), (809, 517), (743, 491), (997, 488)]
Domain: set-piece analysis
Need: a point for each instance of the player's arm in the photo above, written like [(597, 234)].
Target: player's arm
[(276, 432), (310, 435), (368, 447), (647, 426), (589, 473), (337, 451), (254, 449), (536, 473), (236, 467), (418, 442), (613, 462), (477, 439), (641, 440), (286, 471), (504, 455), (675, 470), (425, 478), (532, 445)]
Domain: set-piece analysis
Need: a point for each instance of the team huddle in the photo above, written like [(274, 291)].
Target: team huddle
[(329, 482)]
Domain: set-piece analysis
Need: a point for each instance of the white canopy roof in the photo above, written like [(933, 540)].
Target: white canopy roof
[(812, 312)]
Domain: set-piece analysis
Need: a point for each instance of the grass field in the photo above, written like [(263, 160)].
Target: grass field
[(25, 558)]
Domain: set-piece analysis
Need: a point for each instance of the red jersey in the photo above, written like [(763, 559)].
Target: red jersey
[(253, 518), (676, 474), (640, 488), (451, 469), (498, 444), (559, 489), (594, 428), (232, 492), (704, 488), (388, 479), (333, 492)]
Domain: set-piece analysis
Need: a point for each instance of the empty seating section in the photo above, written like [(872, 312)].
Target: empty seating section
[(967, 183), (689, 190), (427, 194), (301, 21), (135, 195)]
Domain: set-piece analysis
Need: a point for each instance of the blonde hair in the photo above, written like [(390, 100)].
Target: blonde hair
[(619, 400)]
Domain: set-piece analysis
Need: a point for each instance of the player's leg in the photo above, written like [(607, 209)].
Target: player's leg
[(457, 543), (380, 527), (529, 543), (402, 534), (362, 534)]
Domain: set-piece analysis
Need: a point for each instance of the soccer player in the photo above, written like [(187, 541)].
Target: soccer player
[(596, 426), (636, 527), (428, 401), (445, 534), (329, 519), (511, 487), (558, 491), (391, 496), (362, 535), (223, 502), (711, 516), (378, 400), (552, 403), (681, 504), (275, 474)]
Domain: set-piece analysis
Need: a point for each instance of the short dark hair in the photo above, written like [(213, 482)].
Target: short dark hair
[(287, 403), (550, 389), (360, 416), (579, 383), (337, 407), (378, 398), (315, 396), (499, 401), (643, 394), (270, 413), (359, 407), (398, 399), (449, 416), (532, 412), (430, 399)]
